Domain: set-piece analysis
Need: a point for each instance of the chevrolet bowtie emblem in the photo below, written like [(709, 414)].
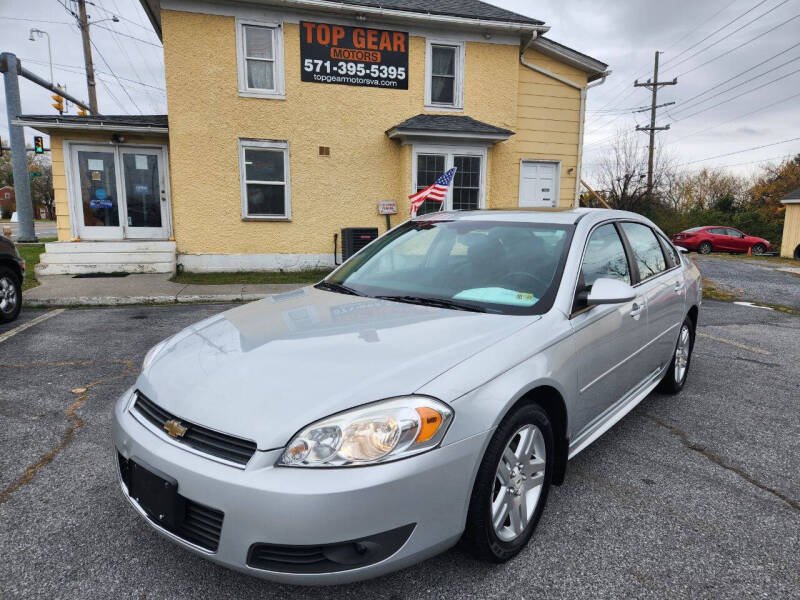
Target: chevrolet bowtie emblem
[(174, 428)]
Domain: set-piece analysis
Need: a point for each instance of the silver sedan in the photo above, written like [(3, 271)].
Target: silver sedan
[(429, 390)]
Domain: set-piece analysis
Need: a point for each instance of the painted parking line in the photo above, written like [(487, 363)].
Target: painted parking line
[(31, 323), (733, 343)]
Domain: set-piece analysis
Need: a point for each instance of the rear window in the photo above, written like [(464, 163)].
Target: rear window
[(694, 229)]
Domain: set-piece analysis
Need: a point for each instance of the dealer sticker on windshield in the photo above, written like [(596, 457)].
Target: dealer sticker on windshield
[(497, 295)]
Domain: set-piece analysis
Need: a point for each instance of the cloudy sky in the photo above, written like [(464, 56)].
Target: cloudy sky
[(737, 63)]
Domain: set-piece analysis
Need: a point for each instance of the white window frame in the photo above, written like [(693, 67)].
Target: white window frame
[(450, 151), (458, 92), (279, 92), (556, 195), (287, 202)]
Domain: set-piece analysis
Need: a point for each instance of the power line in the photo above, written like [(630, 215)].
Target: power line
[(128, 36), (743, 72), (82, 70), (691, 162), (715, 32), (108, 66), (739, 95), (742, 45), (733, 87), (36, 20), (747, 114), (751, 162)]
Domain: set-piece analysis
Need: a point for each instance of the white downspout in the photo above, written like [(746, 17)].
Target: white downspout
[(582, 110)]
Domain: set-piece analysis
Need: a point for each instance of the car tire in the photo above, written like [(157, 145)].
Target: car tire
[(759, 249), (704, 248), (10, 295), (489, 535), (678, 371)]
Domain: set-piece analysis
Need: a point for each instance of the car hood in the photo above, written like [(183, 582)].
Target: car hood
[(267, 369)]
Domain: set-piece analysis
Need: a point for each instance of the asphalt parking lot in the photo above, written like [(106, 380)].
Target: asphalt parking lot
[(693, 496), (752, 279)]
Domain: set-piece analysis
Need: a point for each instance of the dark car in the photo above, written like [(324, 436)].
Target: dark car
[(713, 238), (12, 269)]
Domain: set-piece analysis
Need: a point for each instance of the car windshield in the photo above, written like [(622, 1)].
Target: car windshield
[(487, 266)]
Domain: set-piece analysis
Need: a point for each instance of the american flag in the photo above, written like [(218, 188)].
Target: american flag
[(436, 191)]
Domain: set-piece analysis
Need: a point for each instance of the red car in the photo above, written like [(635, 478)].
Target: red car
[(712, 238)]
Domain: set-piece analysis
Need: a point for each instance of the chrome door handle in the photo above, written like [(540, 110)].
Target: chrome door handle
[(636, 311)]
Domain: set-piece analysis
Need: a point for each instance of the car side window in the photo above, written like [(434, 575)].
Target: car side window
[(734, 233), (604, 257), (673, 258), (717, 231), (646, 250)]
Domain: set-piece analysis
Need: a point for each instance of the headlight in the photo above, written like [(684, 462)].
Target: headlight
[(374, 433), (152, 354)]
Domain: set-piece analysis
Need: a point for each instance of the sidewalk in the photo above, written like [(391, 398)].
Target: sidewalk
[(65, 290)]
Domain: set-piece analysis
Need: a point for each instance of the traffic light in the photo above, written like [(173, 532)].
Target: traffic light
[(82, 112), (38, 144), (59, 102)]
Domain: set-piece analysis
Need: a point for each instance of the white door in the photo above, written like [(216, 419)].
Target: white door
[(96, 192), (145, 203), (538, 184), (119, 192)]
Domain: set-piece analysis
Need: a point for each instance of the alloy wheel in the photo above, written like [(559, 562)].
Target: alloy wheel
[(8, 295), (705, 248), (682, 354), (518, 482), (758, 249)]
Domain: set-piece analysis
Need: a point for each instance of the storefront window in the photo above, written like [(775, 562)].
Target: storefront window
[(429, 167), (467, 182), (264, 172)]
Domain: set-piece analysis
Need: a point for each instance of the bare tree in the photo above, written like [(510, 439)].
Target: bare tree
[(622, 173)]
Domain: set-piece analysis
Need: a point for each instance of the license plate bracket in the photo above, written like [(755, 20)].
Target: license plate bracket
[(156, 495)]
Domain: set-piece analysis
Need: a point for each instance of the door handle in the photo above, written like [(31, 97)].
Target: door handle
[(636, 310), (679, 288)]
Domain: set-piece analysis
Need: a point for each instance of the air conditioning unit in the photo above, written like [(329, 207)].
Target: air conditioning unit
[(355, 238)]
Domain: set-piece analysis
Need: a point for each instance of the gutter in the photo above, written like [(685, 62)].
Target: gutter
[(404, 15), (582, 110), (91, 126)]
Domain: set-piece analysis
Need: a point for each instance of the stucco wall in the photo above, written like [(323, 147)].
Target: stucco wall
[(57, 139), (207, 117), (791, 230)]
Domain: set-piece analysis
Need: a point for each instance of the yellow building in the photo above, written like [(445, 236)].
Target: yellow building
[(290, 120), (790, 243)]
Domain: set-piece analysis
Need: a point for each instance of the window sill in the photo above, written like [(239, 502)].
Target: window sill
[(267, 95), (267, 218), (447, 107)]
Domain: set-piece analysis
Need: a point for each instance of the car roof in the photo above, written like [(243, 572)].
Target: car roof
[(559, 217)]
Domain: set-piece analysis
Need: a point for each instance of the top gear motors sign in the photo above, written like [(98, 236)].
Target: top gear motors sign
[(353, 55)]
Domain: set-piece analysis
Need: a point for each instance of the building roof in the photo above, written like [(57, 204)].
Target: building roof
[(456, 12), (591, 66), (121, 123), (792, 197), (448, 126), (471, 9)]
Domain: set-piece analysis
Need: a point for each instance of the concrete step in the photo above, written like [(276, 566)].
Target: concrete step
[(64, 258), (108, 247), (77, 269), (74, 258)]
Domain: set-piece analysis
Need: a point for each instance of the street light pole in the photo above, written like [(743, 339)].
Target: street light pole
[(40, 33)]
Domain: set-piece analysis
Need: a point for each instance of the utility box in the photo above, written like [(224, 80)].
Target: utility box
[(355, 238)]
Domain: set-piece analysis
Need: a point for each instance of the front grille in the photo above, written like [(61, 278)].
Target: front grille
[(280, 558), (201, 525), (201, 438)]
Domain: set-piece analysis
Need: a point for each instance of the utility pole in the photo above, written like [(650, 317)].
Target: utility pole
[(653, 85), (19, 157), (83, 23)]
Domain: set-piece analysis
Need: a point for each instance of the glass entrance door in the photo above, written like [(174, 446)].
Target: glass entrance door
[(466, 191), (120, 193), (145, 196), (95, 173)]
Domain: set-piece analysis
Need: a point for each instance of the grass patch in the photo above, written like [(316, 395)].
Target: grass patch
[(30, 253), (251, 277), (712, 291)]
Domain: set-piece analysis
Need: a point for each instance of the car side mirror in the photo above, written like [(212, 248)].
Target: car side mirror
[(682, 250), (610, 291)]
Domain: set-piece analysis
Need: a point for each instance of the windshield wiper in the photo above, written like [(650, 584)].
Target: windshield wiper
[(436, 302), (337, 287)]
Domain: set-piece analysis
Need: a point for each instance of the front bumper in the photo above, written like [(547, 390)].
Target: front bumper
[(264, 504)]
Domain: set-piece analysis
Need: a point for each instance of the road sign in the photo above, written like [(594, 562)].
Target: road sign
[(35, 174), (387, 207)]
